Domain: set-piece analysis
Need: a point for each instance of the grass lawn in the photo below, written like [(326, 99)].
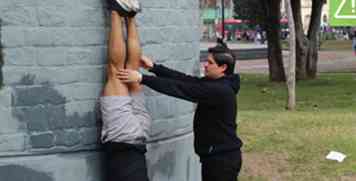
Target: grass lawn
[(291, 146)]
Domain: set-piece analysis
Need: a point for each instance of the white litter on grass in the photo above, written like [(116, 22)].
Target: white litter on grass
[(333, 155)]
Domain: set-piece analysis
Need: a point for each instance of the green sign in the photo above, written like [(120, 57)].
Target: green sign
[(342, 12)]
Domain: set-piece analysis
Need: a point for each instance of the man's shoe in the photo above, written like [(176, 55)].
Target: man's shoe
[(125, 8), (135, 6)]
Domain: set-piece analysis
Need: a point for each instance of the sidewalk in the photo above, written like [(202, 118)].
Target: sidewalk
[(329, 61), (233, 45)]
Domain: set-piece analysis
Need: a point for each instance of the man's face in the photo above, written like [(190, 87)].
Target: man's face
[(212, 69)]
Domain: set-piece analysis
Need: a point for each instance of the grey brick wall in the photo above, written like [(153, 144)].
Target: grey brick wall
[(53, 54), (1, 58)]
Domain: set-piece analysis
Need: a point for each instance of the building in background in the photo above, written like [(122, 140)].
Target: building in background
[(210, 11), (306, 13)]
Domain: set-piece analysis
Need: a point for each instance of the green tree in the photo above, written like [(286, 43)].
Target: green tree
[(307, 44), (251, 10), (266, 13)]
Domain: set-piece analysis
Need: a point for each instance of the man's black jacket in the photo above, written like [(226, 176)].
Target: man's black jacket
[(215, 116)]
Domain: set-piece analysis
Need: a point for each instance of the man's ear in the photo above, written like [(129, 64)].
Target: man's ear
[(224, 67)]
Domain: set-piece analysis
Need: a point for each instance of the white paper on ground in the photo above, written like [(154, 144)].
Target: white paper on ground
[(333, 155)]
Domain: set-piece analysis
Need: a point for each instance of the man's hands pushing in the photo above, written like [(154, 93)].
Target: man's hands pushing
[(131, 76), (128, 75), (146, 63)]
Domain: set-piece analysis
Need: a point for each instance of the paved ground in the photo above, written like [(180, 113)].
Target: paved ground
[(235, 45), (329, 61)]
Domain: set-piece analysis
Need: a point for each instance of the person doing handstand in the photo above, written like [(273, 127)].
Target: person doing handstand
[(126, 121)]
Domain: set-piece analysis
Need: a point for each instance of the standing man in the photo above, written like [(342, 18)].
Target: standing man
[(215, 139), (354, 42), (126, 121)]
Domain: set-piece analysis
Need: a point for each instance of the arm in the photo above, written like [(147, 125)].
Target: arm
[(165, 72), (199, 91), (209, 93)]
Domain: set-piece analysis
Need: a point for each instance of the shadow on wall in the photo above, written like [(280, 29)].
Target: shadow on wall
[(43, 110), (50, 130), (21, 173), (1, 57)]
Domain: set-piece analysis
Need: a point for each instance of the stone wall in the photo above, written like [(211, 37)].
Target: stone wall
[(54, 54)]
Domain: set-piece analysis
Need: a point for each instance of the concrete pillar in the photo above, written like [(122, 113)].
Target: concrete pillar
[(54, 55)]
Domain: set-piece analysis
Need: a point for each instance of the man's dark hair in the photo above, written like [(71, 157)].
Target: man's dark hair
[(223, 55)]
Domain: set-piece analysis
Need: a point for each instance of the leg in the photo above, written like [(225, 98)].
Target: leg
[(134, 56), (134, 52), (116, 58), (225, 167)]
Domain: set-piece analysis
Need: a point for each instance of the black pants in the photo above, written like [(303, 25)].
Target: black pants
[(126, 162), (221, 167)]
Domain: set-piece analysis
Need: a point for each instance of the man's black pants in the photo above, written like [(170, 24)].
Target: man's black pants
[(222, 166), (126, 162)]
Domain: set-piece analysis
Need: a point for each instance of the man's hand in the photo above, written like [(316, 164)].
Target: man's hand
[(146, 63), (128, 76)]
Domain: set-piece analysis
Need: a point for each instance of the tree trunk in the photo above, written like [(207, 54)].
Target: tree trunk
[(275, 59), (313, 36), (307, 46), (301, 42), (292, 58)]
